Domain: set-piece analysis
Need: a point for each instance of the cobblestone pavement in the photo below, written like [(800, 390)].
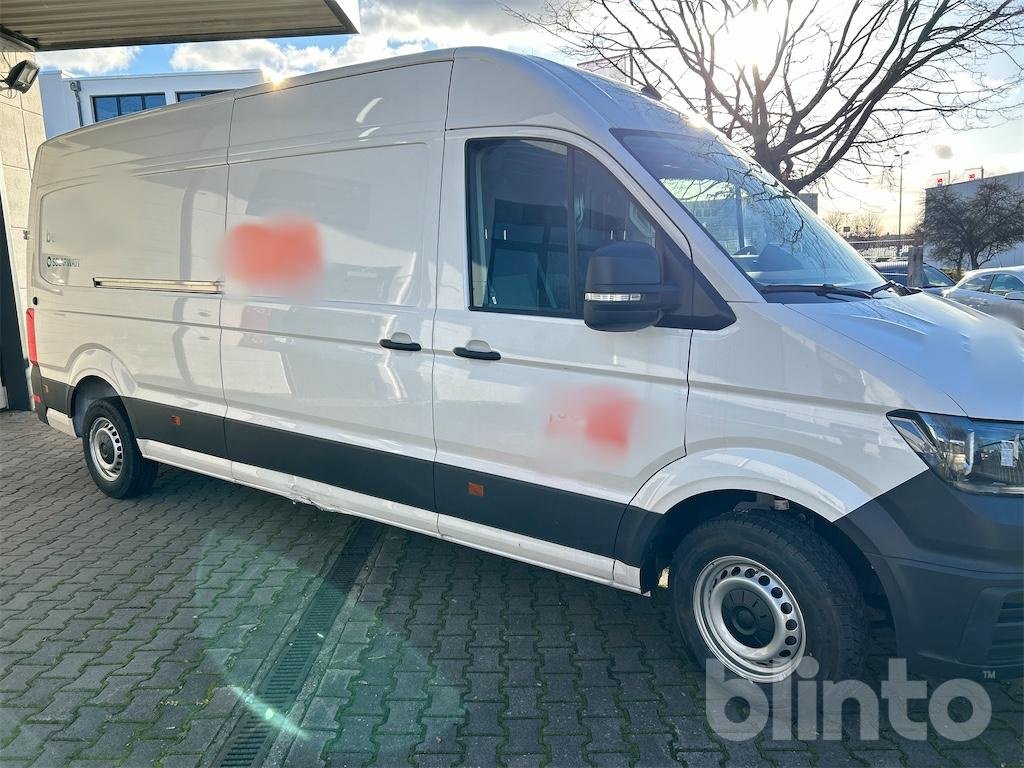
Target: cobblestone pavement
[(138, 633)]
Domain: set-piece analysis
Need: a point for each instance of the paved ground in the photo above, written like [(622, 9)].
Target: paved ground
[(139, 633)]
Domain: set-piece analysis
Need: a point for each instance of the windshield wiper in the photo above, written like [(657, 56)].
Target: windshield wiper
[(901, 289), (822, 289)]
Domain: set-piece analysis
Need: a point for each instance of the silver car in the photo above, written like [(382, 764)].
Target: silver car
[(998, 291)]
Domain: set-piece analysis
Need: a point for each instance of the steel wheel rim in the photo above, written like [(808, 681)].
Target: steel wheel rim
[(106, 449), (749, 619)]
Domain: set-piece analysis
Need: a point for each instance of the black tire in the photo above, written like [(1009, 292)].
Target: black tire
[(133, 474), (821, 584)]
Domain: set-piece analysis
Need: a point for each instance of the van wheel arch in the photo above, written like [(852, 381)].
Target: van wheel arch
[(688, 514), (86, 392)]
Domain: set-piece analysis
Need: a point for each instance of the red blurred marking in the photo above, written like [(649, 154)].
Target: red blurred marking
[(609, 420), (475, 489), (285, 252), (604, 416)]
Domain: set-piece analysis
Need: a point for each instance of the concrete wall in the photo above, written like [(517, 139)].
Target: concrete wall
[(60, 107), (21, 133)]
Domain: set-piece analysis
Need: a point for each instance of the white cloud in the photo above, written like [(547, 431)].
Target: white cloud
[(95, 61), (386, 31), (281, 60)]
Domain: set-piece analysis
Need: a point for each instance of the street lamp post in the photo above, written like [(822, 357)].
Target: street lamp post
[(915, 256), (899, 214)]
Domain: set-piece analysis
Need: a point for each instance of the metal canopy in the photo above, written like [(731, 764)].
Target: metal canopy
[(52, 25)]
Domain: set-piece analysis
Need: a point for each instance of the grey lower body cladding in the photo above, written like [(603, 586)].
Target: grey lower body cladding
[(952, 566)]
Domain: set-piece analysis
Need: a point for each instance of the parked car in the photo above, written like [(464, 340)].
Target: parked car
[(997, 291), (518, 306), (934, 279)]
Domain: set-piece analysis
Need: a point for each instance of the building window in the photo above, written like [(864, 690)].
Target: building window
[(189, 95), (106, 107)]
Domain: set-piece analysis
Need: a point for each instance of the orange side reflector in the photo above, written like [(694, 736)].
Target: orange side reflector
[(176, 421), (475, 489)]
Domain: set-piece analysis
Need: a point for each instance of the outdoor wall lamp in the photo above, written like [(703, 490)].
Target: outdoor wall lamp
[(22, 76)]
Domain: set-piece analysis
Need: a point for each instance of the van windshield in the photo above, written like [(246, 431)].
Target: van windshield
[(765, 229)]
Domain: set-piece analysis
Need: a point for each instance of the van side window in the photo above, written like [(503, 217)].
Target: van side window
[(518, 216), (537, 212)]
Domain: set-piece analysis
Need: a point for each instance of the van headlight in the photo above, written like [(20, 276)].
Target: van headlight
[(973, 455)]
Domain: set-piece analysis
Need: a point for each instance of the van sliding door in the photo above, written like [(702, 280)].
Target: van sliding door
[(331, 242)]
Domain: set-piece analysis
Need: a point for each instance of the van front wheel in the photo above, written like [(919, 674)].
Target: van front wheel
[(117, 466), (760, 592)]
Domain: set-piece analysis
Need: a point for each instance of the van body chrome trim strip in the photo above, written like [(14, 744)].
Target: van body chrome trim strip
[(141, 284)]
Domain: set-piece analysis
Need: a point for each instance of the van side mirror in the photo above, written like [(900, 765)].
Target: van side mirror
[(1015, 296), (625, 291)]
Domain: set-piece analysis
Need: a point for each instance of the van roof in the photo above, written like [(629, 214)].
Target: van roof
[(489, 88), (545, 93), (495, 87)]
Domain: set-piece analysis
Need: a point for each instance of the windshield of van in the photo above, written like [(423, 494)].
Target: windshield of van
[(765, 229)]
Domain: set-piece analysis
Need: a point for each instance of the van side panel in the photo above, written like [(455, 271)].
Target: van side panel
[(353, 167), (384, 107), (163, 225), (139, 200)]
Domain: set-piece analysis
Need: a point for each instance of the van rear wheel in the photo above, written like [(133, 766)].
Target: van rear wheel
[(117, 466), (760, 592)]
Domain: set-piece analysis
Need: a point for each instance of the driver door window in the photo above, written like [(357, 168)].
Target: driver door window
[(538, 210), (518, 214)]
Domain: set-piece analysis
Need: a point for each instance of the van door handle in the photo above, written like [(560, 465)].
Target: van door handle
[(476, 354), (404, 346)]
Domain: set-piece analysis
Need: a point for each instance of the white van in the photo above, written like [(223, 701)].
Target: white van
[(511, 304)]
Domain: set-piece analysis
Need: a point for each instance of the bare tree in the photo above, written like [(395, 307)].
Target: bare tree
[(840, 83), (867, 226), (837, 220), (967, 231)]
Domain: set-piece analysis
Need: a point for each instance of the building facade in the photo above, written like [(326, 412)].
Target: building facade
[(71, 102), (21, 133)]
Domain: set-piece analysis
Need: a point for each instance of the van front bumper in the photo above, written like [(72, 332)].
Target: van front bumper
[(952, 567)]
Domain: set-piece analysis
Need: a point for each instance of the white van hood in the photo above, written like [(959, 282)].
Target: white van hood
[(975, 359)]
